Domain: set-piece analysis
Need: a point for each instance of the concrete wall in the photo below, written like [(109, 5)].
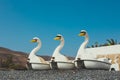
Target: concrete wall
[(115, 49)]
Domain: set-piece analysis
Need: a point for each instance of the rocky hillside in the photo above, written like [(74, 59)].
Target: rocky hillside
[(12, 59)]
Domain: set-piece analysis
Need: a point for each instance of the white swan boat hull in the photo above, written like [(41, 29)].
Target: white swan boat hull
[(96, 64), (65, 65), (40, 66)]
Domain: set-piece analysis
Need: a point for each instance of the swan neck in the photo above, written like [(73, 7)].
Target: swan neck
[(35, 50), (85, 42), (60, 46), (82, 47)]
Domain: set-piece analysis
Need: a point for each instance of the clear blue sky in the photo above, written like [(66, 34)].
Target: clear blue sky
[(21, 20)]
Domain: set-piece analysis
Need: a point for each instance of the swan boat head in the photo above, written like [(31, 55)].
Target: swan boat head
[(35, 39), (59, 37), (83, 33)]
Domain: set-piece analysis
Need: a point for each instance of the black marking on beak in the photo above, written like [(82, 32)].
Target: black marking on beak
[(58, 36)]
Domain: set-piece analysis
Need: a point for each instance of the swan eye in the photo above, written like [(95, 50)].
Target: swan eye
[(82, 34), (57, 38), (34, 40)]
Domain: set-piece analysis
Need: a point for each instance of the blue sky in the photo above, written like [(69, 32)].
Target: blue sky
[(21, 20)]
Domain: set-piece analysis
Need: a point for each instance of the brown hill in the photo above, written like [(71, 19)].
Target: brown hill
[(12, 59)]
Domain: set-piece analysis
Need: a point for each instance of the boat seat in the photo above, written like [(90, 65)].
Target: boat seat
[(43, 61)]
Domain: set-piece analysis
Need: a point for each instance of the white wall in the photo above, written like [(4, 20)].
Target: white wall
[(114, 49)]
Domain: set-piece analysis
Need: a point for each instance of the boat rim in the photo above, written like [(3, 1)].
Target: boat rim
[(97, 61), (64, 62), (39, 63)]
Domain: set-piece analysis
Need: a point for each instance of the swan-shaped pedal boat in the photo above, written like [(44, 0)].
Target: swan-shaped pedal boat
[(89, 60), (100, 63), (62, 61), (36, 62)]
